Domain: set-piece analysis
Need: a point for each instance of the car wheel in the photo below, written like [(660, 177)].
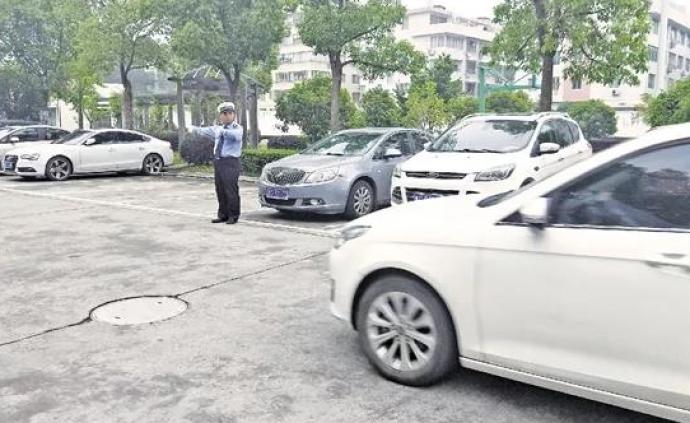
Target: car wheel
[(360, 201), (406, 332), (153, 164), (28, 178), (58, 169)]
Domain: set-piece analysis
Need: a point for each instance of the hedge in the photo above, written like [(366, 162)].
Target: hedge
[(197, 149), (288, 142), (170, 136), (254, 160)]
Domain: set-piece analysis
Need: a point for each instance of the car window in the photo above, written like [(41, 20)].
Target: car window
[(419, 140), (26, 135), (399, 141), (55, 134), (575, 131), (106, 137), (547, 133), (132, 137), (563, 135), (648, 190)]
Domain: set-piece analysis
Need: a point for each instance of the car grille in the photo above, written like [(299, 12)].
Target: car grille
[(284, 175), (276, 202), (436, 175), (414, 193), (10, 162)]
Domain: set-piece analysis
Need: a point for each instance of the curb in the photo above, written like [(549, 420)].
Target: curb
[(243, 178)]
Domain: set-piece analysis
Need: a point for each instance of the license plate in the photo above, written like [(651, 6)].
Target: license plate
[(275, 193), (9, 165), (419, 197)]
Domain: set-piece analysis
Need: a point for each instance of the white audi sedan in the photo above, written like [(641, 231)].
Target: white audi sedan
[(90, 151), (579, 283)]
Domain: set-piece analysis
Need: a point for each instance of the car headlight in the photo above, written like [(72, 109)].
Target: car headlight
[(264, 174), (350, 233), (323, 175), (32, 156), (397, 173), (496, 174)]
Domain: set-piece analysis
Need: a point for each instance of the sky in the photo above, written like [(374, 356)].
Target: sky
[(467, 8)]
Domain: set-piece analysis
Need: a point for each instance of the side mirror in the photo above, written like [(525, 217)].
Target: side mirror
[(536, 212), (427, 145), (392, 153), (549, 148), (90, 141), (14, 139)]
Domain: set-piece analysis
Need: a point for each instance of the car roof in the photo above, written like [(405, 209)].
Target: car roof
[(529, 117), (14, 127), (378, 130)]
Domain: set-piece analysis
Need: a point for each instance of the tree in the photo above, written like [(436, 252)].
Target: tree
[(230, 35), (357, 33), (21, 96), (307, 105), (596, 118), (509, 102), (462, 106), (124, 34), (669, 107), (602, 41), (380, 108), (440, 71), (425, 108)]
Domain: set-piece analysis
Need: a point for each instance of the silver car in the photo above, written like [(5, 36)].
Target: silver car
[(348, 172)]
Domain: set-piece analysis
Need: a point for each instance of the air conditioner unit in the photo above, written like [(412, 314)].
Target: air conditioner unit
[(615, 93)]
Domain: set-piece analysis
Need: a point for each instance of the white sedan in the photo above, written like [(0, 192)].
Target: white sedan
[(90, 151), (579, 283)]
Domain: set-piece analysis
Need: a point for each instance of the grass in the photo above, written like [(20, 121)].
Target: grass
[(181, 166)]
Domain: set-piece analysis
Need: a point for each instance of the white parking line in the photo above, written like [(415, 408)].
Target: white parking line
[(298, 229)]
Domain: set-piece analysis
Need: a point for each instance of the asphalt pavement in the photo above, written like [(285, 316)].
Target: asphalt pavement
[(257, 343)]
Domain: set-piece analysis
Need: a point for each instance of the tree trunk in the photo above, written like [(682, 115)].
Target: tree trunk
[(546, 96), (181, 125), (80, 111), (253, 115), (336, 83), (196, 109), (127, 100)]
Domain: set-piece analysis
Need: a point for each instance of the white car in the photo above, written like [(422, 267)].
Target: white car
[(579, 283), (483, 155), (90, 151), (12, 137)]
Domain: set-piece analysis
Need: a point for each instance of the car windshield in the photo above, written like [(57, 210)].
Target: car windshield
[(486, 136), (345, 144), (5, 131), (72, 139)]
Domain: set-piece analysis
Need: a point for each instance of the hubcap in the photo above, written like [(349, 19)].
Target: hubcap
[(401, 331), (153, 164), (59, 169), (362, 200)]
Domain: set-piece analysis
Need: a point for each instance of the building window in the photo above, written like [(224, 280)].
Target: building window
[(455, 42), (655, 25), (437, 19), (356, 79), (438, 41), (356, 97), (680, 62), (687, 65), (556, 83), (472, 46), (653, 54), (671, 62), (406, 23), (471, 67), (651, 81), (470, 88), (458, 65), (576, 84)]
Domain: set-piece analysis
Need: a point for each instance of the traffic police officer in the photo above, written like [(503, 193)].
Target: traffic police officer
[(227, 150)]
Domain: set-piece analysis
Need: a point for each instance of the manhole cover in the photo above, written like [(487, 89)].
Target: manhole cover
[(135, 311)]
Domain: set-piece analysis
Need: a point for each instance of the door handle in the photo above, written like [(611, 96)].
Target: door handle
[(561, 159), (141, 148)]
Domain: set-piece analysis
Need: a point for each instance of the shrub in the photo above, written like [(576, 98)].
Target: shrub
[(288, 142), (170, 136), (670, 106), (596, 118), (254, 160), (197, 149), (509, 102)]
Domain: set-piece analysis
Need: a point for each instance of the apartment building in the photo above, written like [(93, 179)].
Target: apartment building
[(669, 61)]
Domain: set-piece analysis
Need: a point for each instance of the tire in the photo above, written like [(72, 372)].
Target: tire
[(357, 203), (59, 169), (152, 164), (430, 319), (28, 178)]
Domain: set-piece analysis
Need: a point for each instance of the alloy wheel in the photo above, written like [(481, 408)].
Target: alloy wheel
[(153, 164), (362, 200), (59, 169), (401, 331)]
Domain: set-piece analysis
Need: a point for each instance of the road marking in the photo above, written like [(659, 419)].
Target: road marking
[(278, 226)]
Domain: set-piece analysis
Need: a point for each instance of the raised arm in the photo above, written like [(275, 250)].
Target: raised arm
[(208, 131)]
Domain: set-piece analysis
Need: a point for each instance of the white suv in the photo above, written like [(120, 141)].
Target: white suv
[(483, 155)]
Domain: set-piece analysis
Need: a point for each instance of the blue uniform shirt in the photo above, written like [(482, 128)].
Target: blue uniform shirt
[(232, 138)]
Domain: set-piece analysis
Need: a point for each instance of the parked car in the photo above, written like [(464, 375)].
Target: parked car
[(16, 122), (348, 172), (579, 283), (12, 137), (484, 155), (90, 151)]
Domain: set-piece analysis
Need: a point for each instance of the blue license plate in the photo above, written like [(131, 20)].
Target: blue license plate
[(9, 165), (419, 197), (276, 193)]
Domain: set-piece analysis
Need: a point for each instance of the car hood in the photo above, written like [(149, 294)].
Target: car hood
[(310, 162), (43, 149), (428, 161)]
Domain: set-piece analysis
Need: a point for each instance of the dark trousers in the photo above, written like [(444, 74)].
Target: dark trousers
[(227, 173)]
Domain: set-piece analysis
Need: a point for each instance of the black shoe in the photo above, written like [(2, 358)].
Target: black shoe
[(219, 220), (231, 221)]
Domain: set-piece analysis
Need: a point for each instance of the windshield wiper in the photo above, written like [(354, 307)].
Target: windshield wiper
[(476, 150), (335, 154)]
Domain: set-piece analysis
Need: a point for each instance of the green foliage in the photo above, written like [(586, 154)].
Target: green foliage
[(380, 108), (440, 71), (254, 160), (288, 142), (166, 135), (669, 107), (425, 108), (197, 149), (307, 105), (361, 32), (462, 106), (20, 94), (509, 102), (602, 41), (596, 118)]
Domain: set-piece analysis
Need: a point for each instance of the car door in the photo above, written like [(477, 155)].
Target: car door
[(599, 297), (582, 148), (547, 164), (99, 157), (130, 151), (384, 166)]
